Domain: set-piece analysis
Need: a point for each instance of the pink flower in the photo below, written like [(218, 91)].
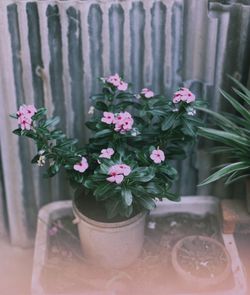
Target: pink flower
[(147, 93), (157, 156), (108, 117), (31, 110), (183, 94), (82, 166), (125, 169), (106, 153), (26, 110), (24, 115), (127, 124), (123, 122), (117, 173), (24, 122), (114, 80), (117, 178), (123, 86)]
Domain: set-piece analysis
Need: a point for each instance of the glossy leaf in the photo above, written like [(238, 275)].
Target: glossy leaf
[(127, 196), (168, 121), (225, 171)]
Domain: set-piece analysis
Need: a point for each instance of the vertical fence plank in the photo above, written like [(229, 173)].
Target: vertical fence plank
[(34, 41), (137, 25), (16, 51), (75, 61), (56, 66), (12, 173), (59, 187), (95, 19), (116, 28), (177, 35), (158, 12), (24, 151)]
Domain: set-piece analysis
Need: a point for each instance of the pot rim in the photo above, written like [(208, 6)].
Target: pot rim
[(194, 279), (91, 221)]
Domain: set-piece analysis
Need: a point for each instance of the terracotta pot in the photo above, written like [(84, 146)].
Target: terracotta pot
[(110, 245), (192, 257)]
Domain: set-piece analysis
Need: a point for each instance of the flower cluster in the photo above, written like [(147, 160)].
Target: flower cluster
[(116, 81), (24, 115), (183, 94), (117, 173), (147, 93), (123, 121)]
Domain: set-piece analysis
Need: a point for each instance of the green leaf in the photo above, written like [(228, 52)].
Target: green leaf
[(102, 192), (238, 107), (112, 207), (187, 128), (35, 159), (171, 196), (101, 106), (40, 112), (154, 188), (17, 131), (14, 116), (97, 96), (168, 122), (245, 97), (227, 138), (222, 120), (146, 202), (127, 196), (237, 175), (67, 142), (57, 134), (104, 168), (91, 125), (221, 149), (241, 86), (127, 211), (51, 122), (103, 133), (55, 168), (52, 170), (31, 134), (89, 184), (225, 171), (169, 170), (142, 174)]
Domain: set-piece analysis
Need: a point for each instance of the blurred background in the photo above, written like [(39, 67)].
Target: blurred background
[(52, 52)]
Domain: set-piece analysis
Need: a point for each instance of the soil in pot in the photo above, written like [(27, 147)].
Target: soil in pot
[(152, 273), (88, 206)]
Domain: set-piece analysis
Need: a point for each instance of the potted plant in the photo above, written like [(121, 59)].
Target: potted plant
[(231, 131), (124, 167)]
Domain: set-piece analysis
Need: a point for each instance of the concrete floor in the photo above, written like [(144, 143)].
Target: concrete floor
[(15, 269), (16, 266)]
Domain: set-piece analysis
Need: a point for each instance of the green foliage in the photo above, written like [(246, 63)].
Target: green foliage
[(158, 124), (232, 131)]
